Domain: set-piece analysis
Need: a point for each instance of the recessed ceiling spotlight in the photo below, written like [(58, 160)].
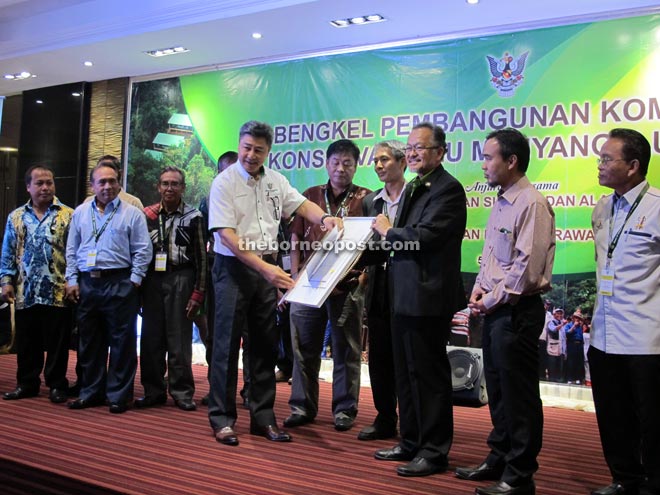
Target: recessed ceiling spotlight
[(358, 21), (19, 76), (39, 102), (472, 2), (88, 63), (256, 36), (75, 94), (161, 52)]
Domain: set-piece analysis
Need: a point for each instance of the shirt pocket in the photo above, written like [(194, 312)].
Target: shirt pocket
[(504, 245), (639, 243)]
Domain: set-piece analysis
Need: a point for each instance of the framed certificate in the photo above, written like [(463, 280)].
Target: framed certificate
[(337, 253)]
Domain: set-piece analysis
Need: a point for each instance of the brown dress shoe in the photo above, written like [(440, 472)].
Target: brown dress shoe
[(226, 436)]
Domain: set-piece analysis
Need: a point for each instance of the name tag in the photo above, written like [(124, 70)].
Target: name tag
[(286, 263), (161, 262), (91, 257), (606, 282)]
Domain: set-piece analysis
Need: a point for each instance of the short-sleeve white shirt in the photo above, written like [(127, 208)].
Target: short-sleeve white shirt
[(252, 207)]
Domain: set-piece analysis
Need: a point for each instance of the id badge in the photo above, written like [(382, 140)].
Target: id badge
[(606, 282), (161, 262), (286, 263), (91, 257)]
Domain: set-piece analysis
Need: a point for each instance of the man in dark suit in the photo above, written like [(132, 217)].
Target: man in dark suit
[(389, 165), (425, 289)]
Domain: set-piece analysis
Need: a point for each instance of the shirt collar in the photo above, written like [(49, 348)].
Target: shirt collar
[(382, 194), (179, 209), (631, 195), (56, 204), (246, 176), (331, 194), (114, 203), (514, 191)]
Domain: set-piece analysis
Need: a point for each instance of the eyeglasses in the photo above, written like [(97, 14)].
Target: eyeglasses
[(419, 148), (173, 184), (607, 159)]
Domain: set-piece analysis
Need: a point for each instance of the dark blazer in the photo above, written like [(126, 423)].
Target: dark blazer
[(427, 281)]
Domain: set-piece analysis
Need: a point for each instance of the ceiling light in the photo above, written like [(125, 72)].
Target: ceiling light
[(88, 63), (39, 102), (358, 21), (75, 94), (161, 52), (19, 76), (472, 2), (256, 36)]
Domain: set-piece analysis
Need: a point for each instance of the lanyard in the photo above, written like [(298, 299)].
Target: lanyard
[(615, 240), (163, 233), (341, 210), (97, 234)]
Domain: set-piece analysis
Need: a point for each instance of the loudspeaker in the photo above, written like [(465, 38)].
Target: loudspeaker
[(467, 376)]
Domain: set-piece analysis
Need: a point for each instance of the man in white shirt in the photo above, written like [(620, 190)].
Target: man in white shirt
[(624, 356), (247, 202)]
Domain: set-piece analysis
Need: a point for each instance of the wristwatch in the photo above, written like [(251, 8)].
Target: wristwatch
[(327, 215)]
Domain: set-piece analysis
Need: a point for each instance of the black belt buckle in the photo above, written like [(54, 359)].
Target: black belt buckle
[(95, 274)]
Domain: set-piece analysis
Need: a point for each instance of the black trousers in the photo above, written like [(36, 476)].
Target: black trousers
[(381, 369), (423, 385), (245, 301), (626, 391), (107, 315), (42, 329), (510, 349), (166, 340), (210, 331)]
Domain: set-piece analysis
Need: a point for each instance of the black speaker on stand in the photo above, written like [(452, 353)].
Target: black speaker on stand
[(467, 376)]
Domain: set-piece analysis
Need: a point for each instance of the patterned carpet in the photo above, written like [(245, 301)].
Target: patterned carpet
[(47, 449)]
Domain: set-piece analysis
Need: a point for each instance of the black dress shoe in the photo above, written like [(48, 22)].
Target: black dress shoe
[(85, 403), (118, 407), (396, 453), (614, 489), (420, 466), (20, 393), (150, 401), (503, 488), (271, 432), (205, 400), (344, 421), (374, 432), (186, 404), (226, 436), (297, 420), (481, 472), (58, 395)]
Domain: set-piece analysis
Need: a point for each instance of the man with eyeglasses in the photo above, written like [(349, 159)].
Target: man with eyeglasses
[(174, 290), (341, 198), (624, 352), (425, 290), (516, 268)]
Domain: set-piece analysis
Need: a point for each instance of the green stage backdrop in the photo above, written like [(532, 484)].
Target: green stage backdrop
[(564, 87)]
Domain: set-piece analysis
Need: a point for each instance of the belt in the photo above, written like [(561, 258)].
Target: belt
[(269, 258), (106, 273), (174, 268)]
